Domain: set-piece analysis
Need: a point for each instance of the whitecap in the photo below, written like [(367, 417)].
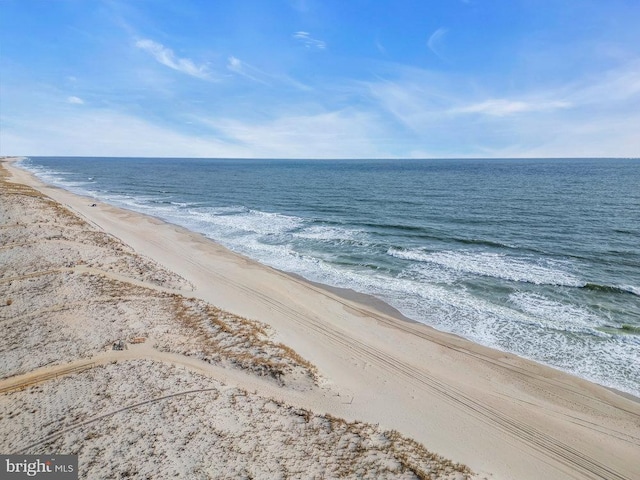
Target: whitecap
[(557, 315), (513, 268)]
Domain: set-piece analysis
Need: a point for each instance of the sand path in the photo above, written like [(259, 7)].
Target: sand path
[(264, 387), (145, 351)]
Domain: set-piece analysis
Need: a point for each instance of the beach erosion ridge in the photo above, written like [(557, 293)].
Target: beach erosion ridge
[(230, 369)]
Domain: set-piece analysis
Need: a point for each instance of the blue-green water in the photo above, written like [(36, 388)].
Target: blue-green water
[(537, 257)]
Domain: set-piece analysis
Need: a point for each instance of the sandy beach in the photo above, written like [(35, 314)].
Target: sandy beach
[(248, 372)]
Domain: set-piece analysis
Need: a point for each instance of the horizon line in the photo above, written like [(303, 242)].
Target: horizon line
[(4, 157)]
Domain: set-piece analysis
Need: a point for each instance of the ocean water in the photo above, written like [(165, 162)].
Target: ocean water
[(538, 257)]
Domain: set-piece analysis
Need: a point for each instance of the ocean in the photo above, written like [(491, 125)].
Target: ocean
[(538, 257)]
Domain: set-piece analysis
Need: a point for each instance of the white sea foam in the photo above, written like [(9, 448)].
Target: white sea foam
[(58, 178), (430, 272), (496, 265), (330, 234), (631, 289), (584, 351), (251, 221), (556, 315)]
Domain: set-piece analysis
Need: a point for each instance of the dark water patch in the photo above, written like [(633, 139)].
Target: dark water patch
[(595, 287), (630, 329), (486, 243), (624, 329), (626, 232), (393, 227)]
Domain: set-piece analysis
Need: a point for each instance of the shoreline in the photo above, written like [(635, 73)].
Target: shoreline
[(367, 300), (373, 302), (105, 348), (431, 370)]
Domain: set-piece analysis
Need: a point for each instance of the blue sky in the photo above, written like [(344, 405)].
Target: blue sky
[(320, 78)]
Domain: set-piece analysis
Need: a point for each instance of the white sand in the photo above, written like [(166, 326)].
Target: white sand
[(504, 416), (144, 419)]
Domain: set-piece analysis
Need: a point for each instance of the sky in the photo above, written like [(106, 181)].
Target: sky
[(320, 78)]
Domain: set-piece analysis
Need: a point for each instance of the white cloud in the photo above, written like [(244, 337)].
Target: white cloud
[(415, 102), (436, 40), (166, 57), (615, 86), (234, 64), (241, 68), (336, 134), (579, 136), (108, 133), (91, 132), (595, 116), (308, 41), (503, 107), (75, 100)]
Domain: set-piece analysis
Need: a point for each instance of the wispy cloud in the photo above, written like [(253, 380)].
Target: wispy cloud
[(297, 131), (436, 40), (251, 72), (504, 107), (334, 134), (621, 85), (591, 116), (242, 68), (308, 41), (416, 100), (380, 47), (168, 58), (75, 100), (112, 134)]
